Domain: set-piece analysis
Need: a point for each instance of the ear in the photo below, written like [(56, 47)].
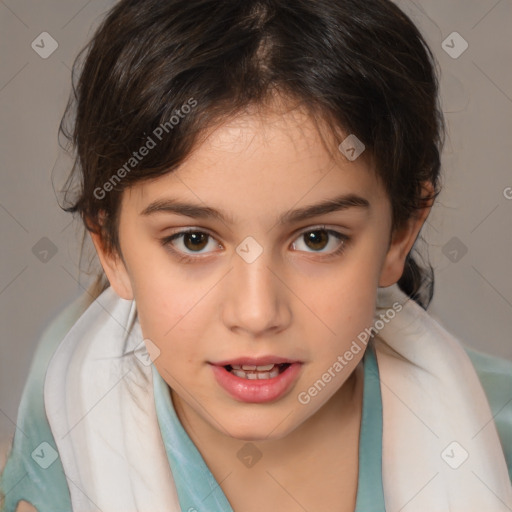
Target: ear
[(402, 242), (114, 267)]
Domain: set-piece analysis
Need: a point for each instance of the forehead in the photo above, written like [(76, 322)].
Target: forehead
[(262, 161), (285, 135)]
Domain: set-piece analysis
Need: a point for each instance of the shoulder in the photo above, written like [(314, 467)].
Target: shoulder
[(33, 472), (496, 377)]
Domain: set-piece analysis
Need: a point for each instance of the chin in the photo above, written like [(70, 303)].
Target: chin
[(257, 435), (255, 428)]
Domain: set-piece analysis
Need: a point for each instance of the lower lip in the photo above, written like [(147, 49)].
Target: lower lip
[(257, 391)]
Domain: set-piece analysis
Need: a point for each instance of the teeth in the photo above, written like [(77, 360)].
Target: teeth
[(265, 368), (252, 367), (269, 375), (256, 375)]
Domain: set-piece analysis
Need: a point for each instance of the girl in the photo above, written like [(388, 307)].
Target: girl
[(254, 175)]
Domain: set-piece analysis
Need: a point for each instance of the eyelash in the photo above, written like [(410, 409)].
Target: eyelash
[(186, 258)]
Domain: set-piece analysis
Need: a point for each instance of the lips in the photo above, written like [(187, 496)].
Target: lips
[(256, 380)]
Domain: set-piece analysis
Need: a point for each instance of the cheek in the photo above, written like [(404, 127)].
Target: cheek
[(343, 299), (344, 312), (166, 296), (174, 314), (169, 317)]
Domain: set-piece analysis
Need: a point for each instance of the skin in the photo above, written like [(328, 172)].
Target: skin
[(296, 300), (25, 506)]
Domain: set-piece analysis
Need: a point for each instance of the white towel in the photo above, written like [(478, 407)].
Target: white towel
[(441, 450)]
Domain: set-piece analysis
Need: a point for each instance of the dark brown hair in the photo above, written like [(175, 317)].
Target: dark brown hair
[(362, 67)]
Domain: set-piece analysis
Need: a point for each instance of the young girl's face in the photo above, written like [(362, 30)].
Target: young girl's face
[(263, 278)]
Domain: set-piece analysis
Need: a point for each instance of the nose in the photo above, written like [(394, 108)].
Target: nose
[(256, 299)]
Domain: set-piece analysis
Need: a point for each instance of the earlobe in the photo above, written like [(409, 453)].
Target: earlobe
[(114, 268), (397, 253), (401, 244)]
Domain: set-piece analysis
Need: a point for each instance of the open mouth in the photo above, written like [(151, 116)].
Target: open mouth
[(253, 372), (268, 380)]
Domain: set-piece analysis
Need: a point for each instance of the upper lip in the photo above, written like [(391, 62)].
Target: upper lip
[(256, 361)]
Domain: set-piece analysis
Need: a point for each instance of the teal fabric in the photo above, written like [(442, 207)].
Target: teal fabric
[(23, 478), (370, 493), (47, 489), (496, 378), (197, 487)]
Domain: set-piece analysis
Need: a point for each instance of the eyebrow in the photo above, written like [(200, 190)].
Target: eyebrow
[(339, 203)]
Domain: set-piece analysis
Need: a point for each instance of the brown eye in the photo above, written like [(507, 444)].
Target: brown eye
[(190, 242), (195, 241), (317, 239)]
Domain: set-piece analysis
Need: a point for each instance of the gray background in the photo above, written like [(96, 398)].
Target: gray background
[(473, 297)]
